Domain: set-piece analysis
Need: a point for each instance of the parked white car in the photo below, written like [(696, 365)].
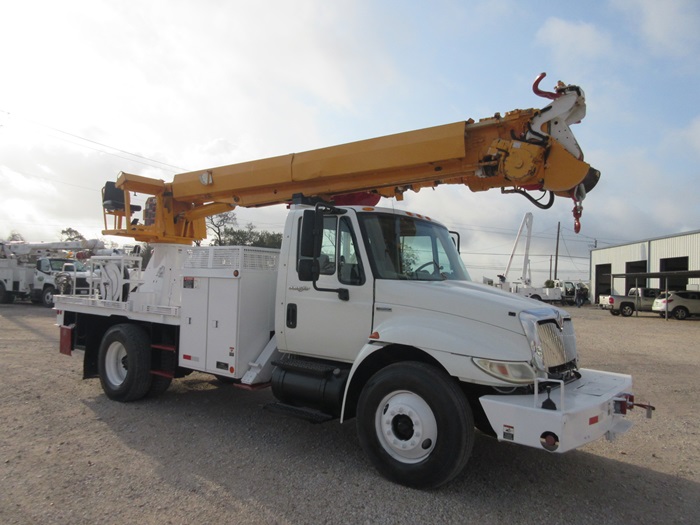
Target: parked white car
[(678, 304)]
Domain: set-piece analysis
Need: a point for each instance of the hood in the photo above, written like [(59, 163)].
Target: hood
[(466, 299)]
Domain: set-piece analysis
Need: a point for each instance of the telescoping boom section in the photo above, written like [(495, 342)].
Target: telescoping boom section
[(524, 151)]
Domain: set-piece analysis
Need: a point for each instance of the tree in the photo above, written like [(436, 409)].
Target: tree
[(218, 224), (15, 236), (250, 237), (146, 254), (71, 235)]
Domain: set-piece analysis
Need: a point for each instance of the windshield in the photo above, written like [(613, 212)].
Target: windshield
[(58, 264), (402, 247)]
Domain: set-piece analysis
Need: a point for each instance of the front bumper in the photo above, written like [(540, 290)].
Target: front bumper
[(584, 411)]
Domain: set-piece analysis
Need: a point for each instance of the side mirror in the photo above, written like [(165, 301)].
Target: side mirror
[(311, 230), (308, 271)]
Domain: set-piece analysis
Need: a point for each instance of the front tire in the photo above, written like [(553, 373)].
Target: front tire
[(47, 296), (415, 425), (125, 362)]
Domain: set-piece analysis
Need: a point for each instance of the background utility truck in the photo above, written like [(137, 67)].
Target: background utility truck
[(364, 312), (37, 270)]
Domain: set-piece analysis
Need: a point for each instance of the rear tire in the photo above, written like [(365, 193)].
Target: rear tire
[(415, 425), (626, 310), (615, 312), (5, 296), (159, 384), (124, 363), (680, 313)]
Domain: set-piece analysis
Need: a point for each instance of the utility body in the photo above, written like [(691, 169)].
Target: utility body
[(364, 312)]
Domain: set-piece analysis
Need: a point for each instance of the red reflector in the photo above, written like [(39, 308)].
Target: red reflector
[(188, 357), (593, 420), (374, 335)]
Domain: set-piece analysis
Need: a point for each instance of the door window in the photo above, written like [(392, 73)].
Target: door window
[(328, 245), (350, 269)]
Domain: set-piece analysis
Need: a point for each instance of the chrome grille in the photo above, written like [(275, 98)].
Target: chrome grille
[(558, 346)]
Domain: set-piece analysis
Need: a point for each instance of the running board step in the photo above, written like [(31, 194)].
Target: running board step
[(307, 414)]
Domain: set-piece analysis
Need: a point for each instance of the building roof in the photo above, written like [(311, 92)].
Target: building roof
[(650, 239)]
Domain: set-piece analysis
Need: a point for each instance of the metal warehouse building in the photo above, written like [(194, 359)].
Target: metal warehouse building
[(675, 253)]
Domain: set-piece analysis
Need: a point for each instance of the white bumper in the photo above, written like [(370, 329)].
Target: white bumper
[(585, 412)]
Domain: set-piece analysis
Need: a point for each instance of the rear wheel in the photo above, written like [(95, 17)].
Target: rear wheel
[(124, 363), (415, 424), (626, 310), (680, 313), (5, 296), (159, 384)]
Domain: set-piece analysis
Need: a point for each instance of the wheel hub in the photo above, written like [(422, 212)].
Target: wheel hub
[(406, 427), (116, 363)]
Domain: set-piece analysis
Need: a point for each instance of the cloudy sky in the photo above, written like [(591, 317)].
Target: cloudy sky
[(156, 87)]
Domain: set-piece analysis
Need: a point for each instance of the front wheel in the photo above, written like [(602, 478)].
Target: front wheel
[(415, 425), (47, 296), (125, 363)]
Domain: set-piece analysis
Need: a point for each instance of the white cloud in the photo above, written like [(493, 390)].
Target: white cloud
[(575, 45), (687, 140), (668, 28)]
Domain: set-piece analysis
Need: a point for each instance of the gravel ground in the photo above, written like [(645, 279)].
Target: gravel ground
[(208, 453)]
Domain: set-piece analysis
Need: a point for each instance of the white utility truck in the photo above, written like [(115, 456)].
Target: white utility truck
[(523, 286), (36, 270), (364, 312)]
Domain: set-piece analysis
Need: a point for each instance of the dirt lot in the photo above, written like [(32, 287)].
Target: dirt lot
[(208, 453)]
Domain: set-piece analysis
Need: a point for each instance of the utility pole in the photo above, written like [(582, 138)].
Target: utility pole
[(556, 256)]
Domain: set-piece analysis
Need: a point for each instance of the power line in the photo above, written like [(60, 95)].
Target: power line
[(136, 155)]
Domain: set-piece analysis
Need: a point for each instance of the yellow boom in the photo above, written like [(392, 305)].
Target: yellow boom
[(523, 151)]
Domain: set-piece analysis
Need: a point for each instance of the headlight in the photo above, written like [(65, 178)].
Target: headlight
[(529, 323), (513, 372)]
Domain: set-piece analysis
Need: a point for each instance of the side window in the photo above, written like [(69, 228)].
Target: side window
[(327, 260), (350, 269), (44, 266)]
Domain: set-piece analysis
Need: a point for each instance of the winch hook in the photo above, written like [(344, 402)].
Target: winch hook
[(577, 211), (545, 94)]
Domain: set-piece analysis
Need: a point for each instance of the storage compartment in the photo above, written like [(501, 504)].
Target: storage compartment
[(228, 301)]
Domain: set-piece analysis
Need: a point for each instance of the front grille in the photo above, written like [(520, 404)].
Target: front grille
[(558, 346)]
